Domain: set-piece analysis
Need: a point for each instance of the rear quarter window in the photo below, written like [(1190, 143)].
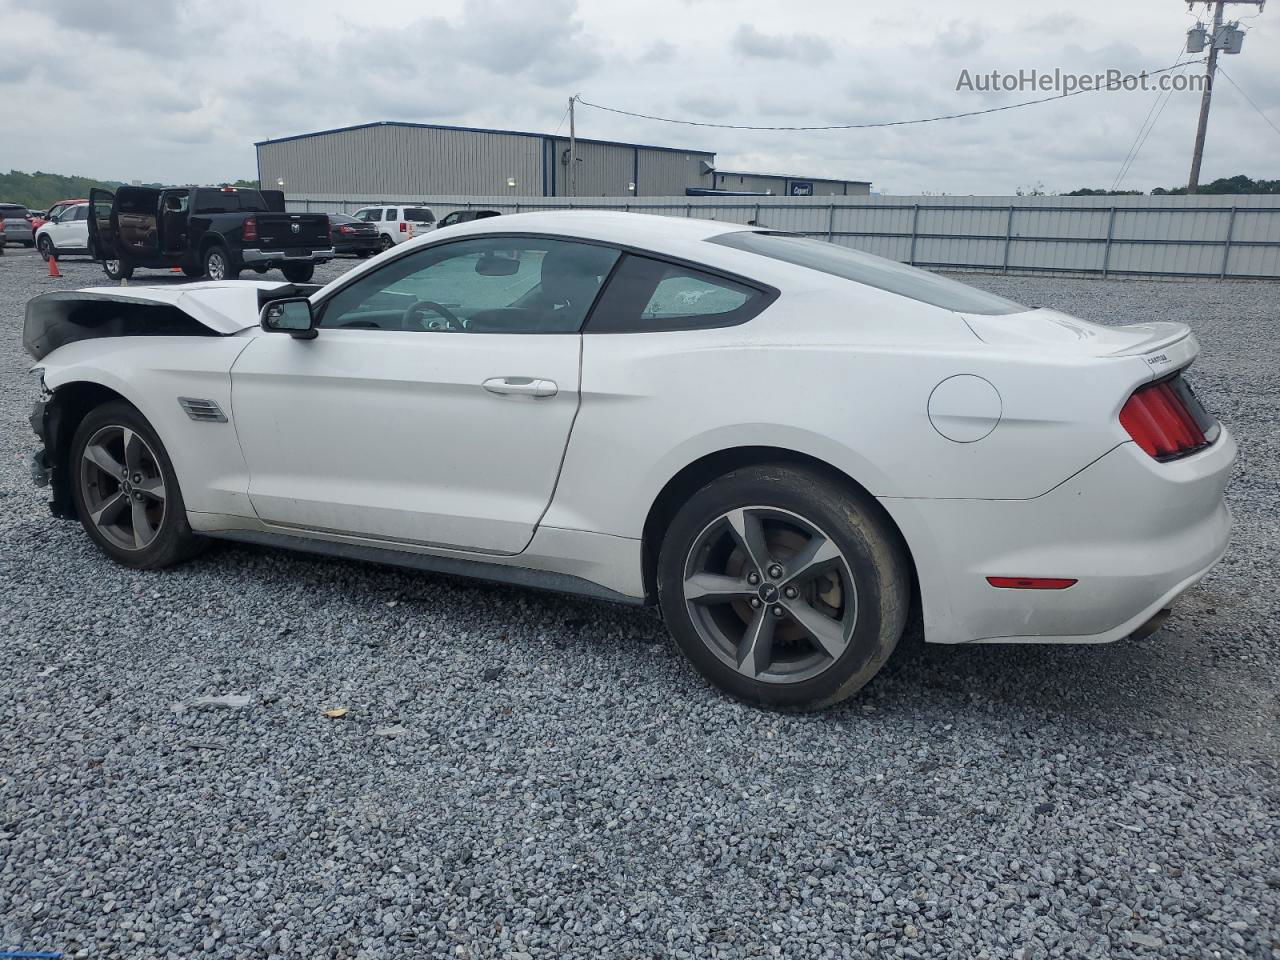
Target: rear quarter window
[(650, 295), (868, 269), (419, 215)]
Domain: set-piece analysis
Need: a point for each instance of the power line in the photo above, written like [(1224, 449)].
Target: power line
[(870, 126), (1139, 139), (1249, 99)]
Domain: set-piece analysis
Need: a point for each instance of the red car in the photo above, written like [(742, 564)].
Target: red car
[(38, 222)]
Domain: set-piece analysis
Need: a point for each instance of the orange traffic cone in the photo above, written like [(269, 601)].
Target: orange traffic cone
[(53, 267)]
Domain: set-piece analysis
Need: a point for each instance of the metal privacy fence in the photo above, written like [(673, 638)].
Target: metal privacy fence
[(1224, 237)]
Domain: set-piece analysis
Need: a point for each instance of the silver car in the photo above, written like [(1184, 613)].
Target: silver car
[(17, 226)]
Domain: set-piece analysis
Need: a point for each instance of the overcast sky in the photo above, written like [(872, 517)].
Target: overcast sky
[(179, 91)]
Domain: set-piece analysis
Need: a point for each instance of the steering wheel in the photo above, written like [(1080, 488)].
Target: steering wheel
[(416, 314)]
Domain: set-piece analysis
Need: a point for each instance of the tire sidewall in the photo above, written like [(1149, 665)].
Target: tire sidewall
[(217, 252), (175, 539), (876, 562), (298, 274), (46, 248)]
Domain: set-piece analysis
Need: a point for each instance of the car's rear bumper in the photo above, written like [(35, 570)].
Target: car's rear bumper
[(253, 257), (1134, 533)]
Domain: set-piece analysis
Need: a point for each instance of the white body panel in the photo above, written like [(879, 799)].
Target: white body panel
[(391, 435), (387, 439), (392, 223), (70, 232)]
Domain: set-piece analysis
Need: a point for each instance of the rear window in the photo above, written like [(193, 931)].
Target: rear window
[(419, 215), (889, 275), (13, 212), (230, 201)]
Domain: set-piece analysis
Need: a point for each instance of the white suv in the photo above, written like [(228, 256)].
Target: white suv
[(66, 232), (398, 224)]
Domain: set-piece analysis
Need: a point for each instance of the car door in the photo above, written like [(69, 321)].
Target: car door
[(435, 404), (73, 228), (102, 226), (137, 222)]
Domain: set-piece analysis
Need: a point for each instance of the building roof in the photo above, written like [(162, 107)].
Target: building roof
[(509, 133), (786, 176)]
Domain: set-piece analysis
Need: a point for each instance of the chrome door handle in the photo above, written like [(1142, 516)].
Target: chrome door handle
[(521, 386)]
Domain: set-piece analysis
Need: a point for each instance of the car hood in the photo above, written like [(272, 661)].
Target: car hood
[(1063, 334), (224, 306)]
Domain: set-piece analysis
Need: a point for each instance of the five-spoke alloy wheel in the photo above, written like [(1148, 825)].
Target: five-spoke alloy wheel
[(125, 490), (783, 586)]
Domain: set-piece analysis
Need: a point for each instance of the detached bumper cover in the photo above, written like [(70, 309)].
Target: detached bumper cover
[(1135, 533)]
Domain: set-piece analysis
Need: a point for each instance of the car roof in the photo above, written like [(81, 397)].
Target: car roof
[(637, 229)]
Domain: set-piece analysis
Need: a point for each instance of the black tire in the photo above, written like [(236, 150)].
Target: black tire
[(385, 243), (363, 254), (28, 243), (261, 269), (217, 263), (298, 272), (865, 589), (170, 540), (192, 272), (117, 269), (46, 247)]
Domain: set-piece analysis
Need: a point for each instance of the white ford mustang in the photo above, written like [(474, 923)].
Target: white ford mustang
[(785, 444)]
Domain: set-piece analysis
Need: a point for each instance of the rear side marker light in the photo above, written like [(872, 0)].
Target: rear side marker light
[(1160, 423), (1030, 583)]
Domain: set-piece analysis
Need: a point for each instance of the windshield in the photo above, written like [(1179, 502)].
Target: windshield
[(874, 271)]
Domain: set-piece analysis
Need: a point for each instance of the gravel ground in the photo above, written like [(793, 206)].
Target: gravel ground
[(522, 775)]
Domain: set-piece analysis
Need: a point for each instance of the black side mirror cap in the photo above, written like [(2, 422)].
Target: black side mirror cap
[(293, 316)]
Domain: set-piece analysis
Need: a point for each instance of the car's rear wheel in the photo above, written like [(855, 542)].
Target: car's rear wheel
[(385, 242), (298, 272), (217, 264), (783, 587), (117, 269), (125, 490), (46, 248)]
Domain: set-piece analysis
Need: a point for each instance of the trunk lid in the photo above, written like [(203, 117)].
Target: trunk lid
[(1164, 344)]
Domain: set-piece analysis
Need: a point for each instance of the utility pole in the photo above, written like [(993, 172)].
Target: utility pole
[(573, 151), (1216, 43)]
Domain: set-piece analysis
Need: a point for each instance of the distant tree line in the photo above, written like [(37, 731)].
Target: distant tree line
[(1236, 184), (40, 191)]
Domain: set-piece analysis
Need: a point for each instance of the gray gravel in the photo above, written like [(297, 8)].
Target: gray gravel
[(593, 797)]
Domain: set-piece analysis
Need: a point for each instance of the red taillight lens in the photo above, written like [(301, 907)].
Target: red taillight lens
[(1031, 583), (250, 230), (1160, 423), (404, 227), (345, 229)]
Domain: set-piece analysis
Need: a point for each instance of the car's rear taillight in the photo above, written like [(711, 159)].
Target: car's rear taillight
[(404, 227), (1166, 420), (250, 229), (345, 229)]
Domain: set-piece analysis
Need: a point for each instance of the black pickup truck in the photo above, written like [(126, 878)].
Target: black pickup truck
[(214, 232)]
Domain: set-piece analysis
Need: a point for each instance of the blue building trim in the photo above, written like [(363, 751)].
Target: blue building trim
[(445, 126)]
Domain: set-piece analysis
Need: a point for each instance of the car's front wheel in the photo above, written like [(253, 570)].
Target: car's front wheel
[(117, 269), (125, 489), (783, 587), (46, 247)]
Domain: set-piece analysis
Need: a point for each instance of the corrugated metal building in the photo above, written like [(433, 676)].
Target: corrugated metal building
[(789, 186), (417, 159)]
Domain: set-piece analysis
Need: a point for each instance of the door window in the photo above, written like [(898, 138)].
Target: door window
[(646, 295), (485, 285), (78, 212), (391, 213)]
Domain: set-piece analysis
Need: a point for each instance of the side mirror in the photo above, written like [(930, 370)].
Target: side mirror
[(493, 265), (292, 316)]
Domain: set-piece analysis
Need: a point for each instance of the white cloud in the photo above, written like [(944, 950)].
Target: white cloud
[(178, 91)]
